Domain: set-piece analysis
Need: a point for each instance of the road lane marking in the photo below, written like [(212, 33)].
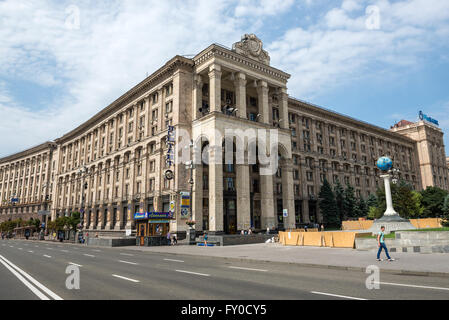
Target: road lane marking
[(11, 246), (39, 294), (64, 250), (125, 278), (46, 256), (122, 261), (249, 269), (75, 264), (174, 260), (412, 286), (196, 273), (20, 248), (127, 254), (97, 250), (34, 281), (336, 295), (89, 255), (30, 251)]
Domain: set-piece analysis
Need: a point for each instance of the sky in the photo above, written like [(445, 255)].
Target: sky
[(61, 62)]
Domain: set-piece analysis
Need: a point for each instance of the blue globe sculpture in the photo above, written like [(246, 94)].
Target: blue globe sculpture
[(384, 163)]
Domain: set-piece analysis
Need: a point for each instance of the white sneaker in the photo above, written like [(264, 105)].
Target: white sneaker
[(380, 259), (391, 259)]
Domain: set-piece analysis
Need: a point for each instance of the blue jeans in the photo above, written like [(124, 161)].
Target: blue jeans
[(382, 245)]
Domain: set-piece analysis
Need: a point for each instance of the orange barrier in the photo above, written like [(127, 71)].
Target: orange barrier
[(357, 225), (313, 239), (343, 239), (426, 223), (329, 239)]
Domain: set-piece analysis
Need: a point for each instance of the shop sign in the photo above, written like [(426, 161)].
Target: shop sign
[(139, 215), (170, 140), (159, 215), (185, 205), (423, 116), (159, 221)]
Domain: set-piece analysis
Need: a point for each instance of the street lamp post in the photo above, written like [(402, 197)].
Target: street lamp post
[(190, 166)]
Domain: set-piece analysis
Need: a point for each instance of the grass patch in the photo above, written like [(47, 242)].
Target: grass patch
[(431, 229)]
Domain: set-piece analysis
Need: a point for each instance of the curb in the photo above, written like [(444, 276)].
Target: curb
[(314, 265)]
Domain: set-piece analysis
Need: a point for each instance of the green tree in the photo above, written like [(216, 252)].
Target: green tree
[(339, 197), (328, 206), (406, 202), (361, 208), (375, 213), (349, 202), (446, 211), (371, 201), (433, 201)]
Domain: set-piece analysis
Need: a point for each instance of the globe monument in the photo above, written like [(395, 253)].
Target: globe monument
[(391, 219)]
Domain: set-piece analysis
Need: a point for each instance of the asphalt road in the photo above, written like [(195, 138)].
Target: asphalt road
[(32, 270)]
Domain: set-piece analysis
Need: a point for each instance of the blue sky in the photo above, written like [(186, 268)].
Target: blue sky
[(63, 61)]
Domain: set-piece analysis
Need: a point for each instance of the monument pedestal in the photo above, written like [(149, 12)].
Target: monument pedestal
[(391, 219), (391, 223)]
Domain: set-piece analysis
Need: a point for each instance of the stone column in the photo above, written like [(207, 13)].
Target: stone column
[(283, 105), (264, 109), (109, 225), (215, 191), (267, 202), (390, 210), (305, 210), (243, 197), (240, 94), (215, 88), (288, 198), (147, 123), (197, 96)]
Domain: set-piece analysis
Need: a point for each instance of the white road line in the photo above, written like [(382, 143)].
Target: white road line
[(30, 251), (75, 264), (36, 246), (97, 250), (34, 281), (64, 250), (196, 273), (249, 269), (46, 256), (336, 295), (174, 260), (20, 248), (122, 261), (11, 246), (49, 248), (127, 254), (125, 278), (412, 286), (89, 255), (26, 283)]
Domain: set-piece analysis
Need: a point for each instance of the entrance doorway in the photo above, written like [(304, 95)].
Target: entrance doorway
[(230, 216)]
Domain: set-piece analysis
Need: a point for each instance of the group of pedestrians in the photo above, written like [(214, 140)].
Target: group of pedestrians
[(171, 240)]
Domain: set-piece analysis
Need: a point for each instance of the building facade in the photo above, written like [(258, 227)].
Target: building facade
[(114, 165)]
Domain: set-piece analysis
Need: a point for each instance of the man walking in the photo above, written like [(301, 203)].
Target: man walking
[(381, 244)]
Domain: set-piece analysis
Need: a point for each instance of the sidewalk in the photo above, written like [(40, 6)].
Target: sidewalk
[(435, 264)]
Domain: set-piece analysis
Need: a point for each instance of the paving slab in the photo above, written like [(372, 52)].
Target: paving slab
[(435, 264)]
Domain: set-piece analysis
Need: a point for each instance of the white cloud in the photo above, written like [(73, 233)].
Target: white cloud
[(339, 49), (262, 7)]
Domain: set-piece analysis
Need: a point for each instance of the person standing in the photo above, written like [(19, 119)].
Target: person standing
[(381, 244), (205, 239), (169, 238)]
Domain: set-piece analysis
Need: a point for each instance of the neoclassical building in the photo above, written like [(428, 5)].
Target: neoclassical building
[(114, 165)]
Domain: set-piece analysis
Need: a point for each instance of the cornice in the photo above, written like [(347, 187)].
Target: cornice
[(26, 153), (216, 50), (158, 76)]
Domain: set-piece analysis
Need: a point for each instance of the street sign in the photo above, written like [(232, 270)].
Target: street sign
[(285, 213), (172, 206)]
